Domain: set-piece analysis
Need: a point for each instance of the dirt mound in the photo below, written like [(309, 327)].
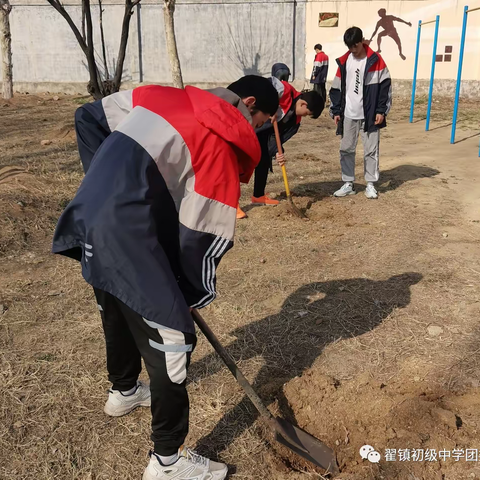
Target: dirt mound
[(10, 174), (64, 133), (400, 417), (283, 211)]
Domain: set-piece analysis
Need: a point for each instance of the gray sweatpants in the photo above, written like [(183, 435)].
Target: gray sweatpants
[(348, 147)]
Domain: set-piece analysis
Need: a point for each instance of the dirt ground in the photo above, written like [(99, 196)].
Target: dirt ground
[(361, 325)]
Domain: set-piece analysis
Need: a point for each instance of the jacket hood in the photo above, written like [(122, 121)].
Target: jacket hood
[(343, 59), (222, 117), (279, 66)]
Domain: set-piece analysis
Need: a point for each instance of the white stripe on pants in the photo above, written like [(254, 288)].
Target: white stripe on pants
[(348, 147)]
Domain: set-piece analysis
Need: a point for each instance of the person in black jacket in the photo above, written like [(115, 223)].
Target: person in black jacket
[(361, 97), (293, 105)]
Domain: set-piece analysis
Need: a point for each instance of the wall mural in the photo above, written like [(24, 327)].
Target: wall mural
[(389, 30), (328, 19)]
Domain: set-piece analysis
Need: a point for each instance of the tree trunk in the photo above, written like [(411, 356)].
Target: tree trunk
[(122, 51), (95, 86), (168, 13), (6, 49)]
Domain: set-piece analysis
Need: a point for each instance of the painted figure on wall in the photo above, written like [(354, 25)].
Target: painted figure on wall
[(389, 30)]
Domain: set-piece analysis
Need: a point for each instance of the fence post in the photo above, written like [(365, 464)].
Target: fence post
[(414, 84), (432, 74), (459, 75)]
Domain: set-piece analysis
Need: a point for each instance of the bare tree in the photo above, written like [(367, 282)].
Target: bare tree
[(6, 49), (99, 85), (168, 13)]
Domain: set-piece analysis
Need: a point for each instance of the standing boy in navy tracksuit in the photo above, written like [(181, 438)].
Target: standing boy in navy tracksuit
[(320, 71)]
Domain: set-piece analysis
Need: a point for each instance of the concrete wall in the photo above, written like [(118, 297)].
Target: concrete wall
[(364, 14), (217, 41), (220, 40)]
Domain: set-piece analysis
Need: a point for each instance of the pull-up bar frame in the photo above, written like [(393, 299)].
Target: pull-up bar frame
[(432, 74), (466, 11)]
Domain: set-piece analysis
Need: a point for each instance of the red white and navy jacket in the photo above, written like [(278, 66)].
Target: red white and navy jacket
[(320, 68), (377, 90), (156, 210), (288, 121), (287, 96)]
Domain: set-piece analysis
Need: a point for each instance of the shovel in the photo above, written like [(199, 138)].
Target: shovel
[(293, 207), (292, 437)]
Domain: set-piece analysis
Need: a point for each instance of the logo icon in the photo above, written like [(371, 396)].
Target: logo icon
[(367, 452)]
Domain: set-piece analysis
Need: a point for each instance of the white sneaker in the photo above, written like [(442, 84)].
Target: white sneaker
[(348, 188), (119, 404), (189, 466), (370, 191)]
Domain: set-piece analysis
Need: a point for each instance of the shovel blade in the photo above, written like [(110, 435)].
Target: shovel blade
[(296, 211), (312, 450)]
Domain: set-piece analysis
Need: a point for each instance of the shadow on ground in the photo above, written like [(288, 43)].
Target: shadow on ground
[(389, 180), (467, 138), (289, 342)]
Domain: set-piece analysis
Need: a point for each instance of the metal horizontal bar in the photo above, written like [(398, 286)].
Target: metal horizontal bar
[(473, 9), (425, 23)]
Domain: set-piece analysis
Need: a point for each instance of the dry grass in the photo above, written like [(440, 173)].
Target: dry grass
[(330, 308)]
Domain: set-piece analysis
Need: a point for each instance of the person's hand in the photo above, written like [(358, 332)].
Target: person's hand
[(337, 119), (379, 119), (280, 158)]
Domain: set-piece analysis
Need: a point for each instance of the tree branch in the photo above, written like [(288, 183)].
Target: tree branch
[(90, 53), (84, 35), (59, 8), (129, 5), (102, 37)]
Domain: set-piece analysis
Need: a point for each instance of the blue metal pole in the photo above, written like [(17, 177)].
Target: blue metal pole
[(432, 74), (414, 84), (459, 75)]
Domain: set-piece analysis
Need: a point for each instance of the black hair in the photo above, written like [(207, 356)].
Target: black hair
[(315, 102), (266, 95), (317, 47), (353, 36)]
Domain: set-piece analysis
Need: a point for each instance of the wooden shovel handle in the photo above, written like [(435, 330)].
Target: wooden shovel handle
[(242, 381), (280, 150)]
